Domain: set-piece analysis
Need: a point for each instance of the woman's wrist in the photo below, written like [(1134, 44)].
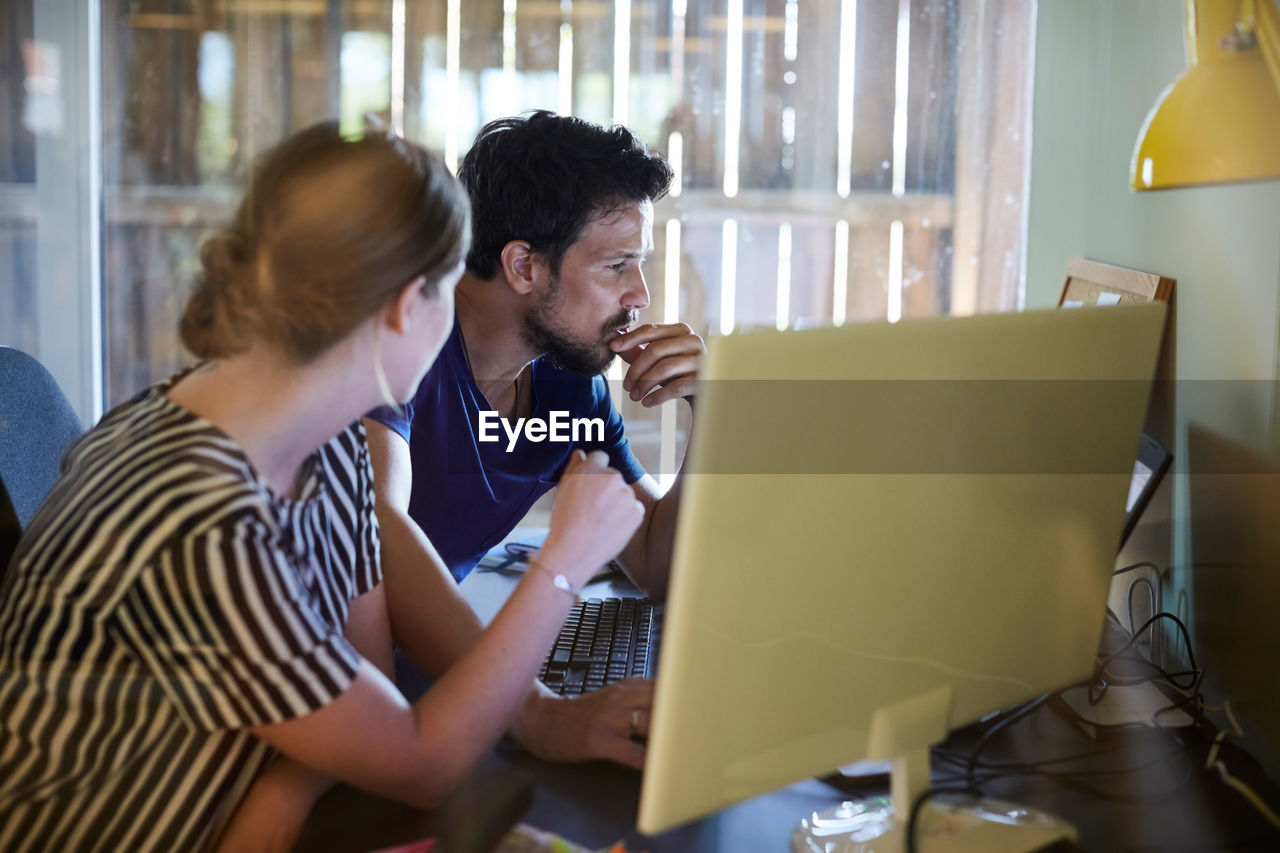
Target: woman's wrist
[(561, 557), (557, 579), (527, 725)]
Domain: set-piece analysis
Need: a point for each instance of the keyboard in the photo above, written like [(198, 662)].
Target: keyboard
[(603, 641)]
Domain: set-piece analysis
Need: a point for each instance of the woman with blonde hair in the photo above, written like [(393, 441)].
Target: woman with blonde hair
[(194, 628)]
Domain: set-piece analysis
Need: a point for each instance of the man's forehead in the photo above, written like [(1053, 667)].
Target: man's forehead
[(623, 227)]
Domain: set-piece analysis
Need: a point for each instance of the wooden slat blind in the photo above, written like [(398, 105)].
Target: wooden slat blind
[(824, 204)]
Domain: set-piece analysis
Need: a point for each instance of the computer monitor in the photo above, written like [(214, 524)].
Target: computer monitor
[(888, 531)]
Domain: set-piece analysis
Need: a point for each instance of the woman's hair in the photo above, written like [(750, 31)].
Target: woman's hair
[(329, 230)]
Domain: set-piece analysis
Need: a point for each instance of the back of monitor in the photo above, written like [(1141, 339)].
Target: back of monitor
[(887, 526)]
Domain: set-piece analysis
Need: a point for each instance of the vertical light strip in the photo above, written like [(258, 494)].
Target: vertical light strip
[(901, 82), (91, 206), (844, 96), (675, 158), (333, 30), (784, 276), (728, 274), (621, 60), (670, 314), (671, 274), (397, 66), (895, 271), (667, 447), (840, 275), (90, 37), (452, 77), (565, 106), (678, 11), (791, 31), (509, 49), (732, 97), (68, 269)]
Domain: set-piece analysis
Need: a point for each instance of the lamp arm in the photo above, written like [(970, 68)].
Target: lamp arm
[(1265, 21)]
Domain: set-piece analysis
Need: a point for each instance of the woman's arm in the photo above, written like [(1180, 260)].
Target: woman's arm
[(435, 626), (430, 620), (371, 737), (272, 813)]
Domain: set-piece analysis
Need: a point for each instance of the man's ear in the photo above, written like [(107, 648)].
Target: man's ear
[(520, 267), (399, 313)]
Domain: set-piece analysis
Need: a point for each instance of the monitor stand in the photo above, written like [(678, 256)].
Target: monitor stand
[(947, 823)]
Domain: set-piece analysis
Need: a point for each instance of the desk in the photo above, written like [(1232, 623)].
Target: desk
[(1169, 804)]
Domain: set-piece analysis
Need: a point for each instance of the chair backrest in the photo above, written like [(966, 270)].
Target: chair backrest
[(37, 424)]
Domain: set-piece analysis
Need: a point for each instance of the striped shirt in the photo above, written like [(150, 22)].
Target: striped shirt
[(162, 601)]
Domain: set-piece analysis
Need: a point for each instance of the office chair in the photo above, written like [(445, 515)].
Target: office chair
[(37, 424)]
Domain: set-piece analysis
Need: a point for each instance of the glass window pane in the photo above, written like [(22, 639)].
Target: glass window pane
[(837, 162), (50, 194), (23, 90), (192, 91)]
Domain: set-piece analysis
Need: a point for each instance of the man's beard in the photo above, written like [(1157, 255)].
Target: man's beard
[(546, 336)]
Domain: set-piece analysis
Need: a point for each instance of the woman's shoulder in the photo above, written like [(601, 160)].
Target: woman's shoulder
[(148, 478), (149, 446), (348, 448), (345, 461), (352, 441)]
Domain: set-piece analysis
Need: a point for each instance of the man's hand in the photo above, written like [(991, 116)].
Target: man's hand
[(589, 727), (662, 357)]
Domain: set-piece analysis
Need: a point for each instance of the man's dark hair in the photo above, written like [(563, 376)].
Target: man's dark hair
[(543, 178)]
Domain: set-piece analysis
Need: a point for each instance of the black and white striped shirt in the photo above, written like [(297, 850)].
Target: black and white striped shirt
[(163, 601)]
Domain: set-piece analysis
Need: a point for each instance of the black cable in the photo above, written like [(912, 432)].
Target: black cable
[(913, 817), (1136, 566), (1096, 688), (1137, 635), (1075, 779), (1103, 679), (961, 761), (1099, 684), (990, 733), (1186, 681)]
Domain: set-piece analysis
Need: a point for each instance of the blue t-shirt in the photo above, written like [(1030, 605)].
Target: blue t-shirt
[(467, 494)]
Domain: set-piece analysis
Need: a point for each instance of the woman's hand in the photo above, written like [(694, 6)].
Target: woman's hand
[(594, 516)]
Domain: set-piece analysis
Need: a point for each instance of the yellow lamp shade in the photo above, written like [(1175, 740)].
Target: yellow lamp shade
[(1219, 121)]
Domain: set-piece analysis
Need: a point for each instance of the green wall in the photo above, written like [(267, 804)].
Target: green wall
[(1099, 67)]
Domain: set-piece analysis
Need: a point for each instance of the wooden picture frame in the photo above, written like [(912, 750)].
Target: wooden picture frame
[(1095, 283)]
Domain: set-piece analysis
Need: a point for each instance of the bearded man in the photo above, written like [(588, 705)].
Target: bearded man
[(562, 222)]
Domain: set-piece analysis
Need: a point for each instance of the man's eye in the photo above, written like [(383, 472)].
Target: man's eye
[(618, 266)]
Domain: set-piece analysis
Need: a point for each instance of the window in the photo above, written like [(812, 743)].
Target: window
[(837, 161)]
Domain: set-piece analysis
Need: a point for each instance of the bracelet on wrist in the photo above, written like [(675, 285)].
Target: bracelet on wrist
[(558, 580)]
